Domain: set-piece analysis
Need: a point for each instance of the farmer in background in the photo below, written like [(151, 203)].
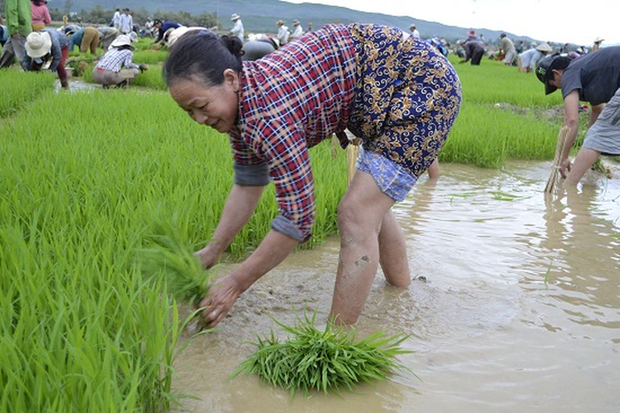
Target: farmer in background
[(162, 28), (237, 29), (597, 43), (86, 38), (48, 45), (507, 48), (298, 31), (414, 32), (283, 33), (40, 14), (4, 35), (107, 36), (116, 19), (530, 58), (594, 78), (18, 25), (474, 49), (399, 96), (116, 67), (126, 22)]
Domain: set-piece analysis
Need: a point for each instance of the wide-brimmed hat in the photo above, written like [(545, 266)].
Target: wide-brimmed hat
[(295, 22), (544, 47), (122, 40), (472, 33), (598, 40), (280, 22), (178, 32), (38, 44), (234, 17)]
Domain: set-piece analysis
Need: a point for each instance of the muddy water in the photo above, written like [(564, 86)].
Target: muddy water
[(520, 310)]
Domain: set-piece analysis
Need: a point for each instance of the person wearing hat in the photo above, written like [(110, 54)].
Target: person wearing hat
[(593, 78), (474, 49), (87, 38), (528, 59), (18, 26), (45, 46), (116, 67), (107, 36), (162, 28), (597, 43), (298, 31), (397, 95), (414, 32), (283, 33), (237, 29)]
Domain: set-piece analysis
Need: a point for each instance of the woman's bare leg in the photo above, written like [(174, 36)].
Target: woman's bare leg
[(393, 252), (360, 214)]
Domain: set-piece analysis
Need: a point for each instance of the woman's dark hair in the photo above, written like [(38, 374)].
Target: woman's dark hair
[(203, 55), (38, 2)]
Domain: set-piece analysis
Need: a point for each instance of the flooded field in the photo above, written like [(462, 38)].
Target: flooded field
[(517, 307)]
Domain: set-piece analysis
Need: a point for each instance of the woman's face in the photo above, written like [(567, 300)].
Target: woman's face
[(214, 106)]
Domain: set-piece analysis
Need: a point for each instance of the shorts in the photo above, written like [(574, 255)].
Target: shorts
[(604, 135), (393, 180)]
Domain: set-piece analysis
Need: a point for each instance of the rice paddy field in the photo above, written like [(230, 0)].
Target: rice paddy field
[(90, 177)]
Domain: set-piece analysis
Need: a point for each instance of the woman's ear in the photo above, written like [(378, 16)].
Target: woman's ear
[(231, 78)]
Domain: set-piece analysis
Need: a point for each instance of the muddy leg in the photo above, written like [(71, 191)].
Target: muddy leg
[(360, 214)]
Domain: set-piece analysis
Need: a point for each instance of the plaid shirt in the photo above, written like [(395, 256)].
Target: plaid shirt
[(290, 101), (114, 60)]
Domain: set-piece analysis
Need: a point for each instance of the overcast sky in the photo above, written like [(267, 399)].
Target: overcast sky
[(561, 21)]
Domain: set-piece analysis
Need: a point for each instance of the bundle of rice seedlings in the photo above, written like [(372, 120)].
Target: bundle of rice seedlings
[(555, 168), (327, 360), (167, 255)]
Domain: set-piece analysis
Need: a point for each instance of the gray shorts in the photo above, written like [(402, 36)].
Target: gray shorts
[(604, 135)]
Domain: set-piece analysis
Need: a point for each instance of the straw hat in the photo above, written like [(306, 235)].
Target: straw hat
[(38, 44), (295, 22), (234, 17), (280, 22), (544, 47), (122, 40), (598, 40)]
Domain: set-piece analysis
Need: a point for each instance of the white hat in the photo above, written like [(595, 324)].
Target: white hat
[(178, 32), (295, 22), (234, 17), (38, 44), (544, 47), (122, 40), (598, 39)]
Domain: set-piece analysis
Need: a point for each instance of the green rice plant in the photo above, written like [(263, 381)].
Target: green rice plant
[(150, 56), (21, 88), (166, 254), (327, 361)]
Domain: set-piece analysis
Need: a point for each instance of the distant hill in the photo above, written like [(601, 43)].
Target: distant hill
[(260, 16)]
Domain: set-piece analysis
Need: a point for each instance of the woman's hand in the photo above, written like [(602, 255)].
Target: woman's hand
[(219, 301), (207, 257)]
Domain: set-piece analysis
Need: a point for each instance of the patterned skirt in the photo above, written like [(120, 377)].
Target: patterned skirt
[(407, 97)]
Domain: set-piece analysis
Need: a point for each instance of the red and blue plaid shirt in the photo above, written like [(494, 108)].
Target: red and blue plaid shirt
[(290, 101)]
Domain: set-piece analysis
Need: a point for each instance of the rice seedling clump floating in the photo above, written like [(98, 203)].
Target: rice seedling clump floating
[(327, 361)]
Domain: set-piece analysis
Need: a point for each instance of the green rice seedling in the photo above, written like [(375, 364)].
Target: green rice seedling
[(327, 361), (166, 254), (21, 88)]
